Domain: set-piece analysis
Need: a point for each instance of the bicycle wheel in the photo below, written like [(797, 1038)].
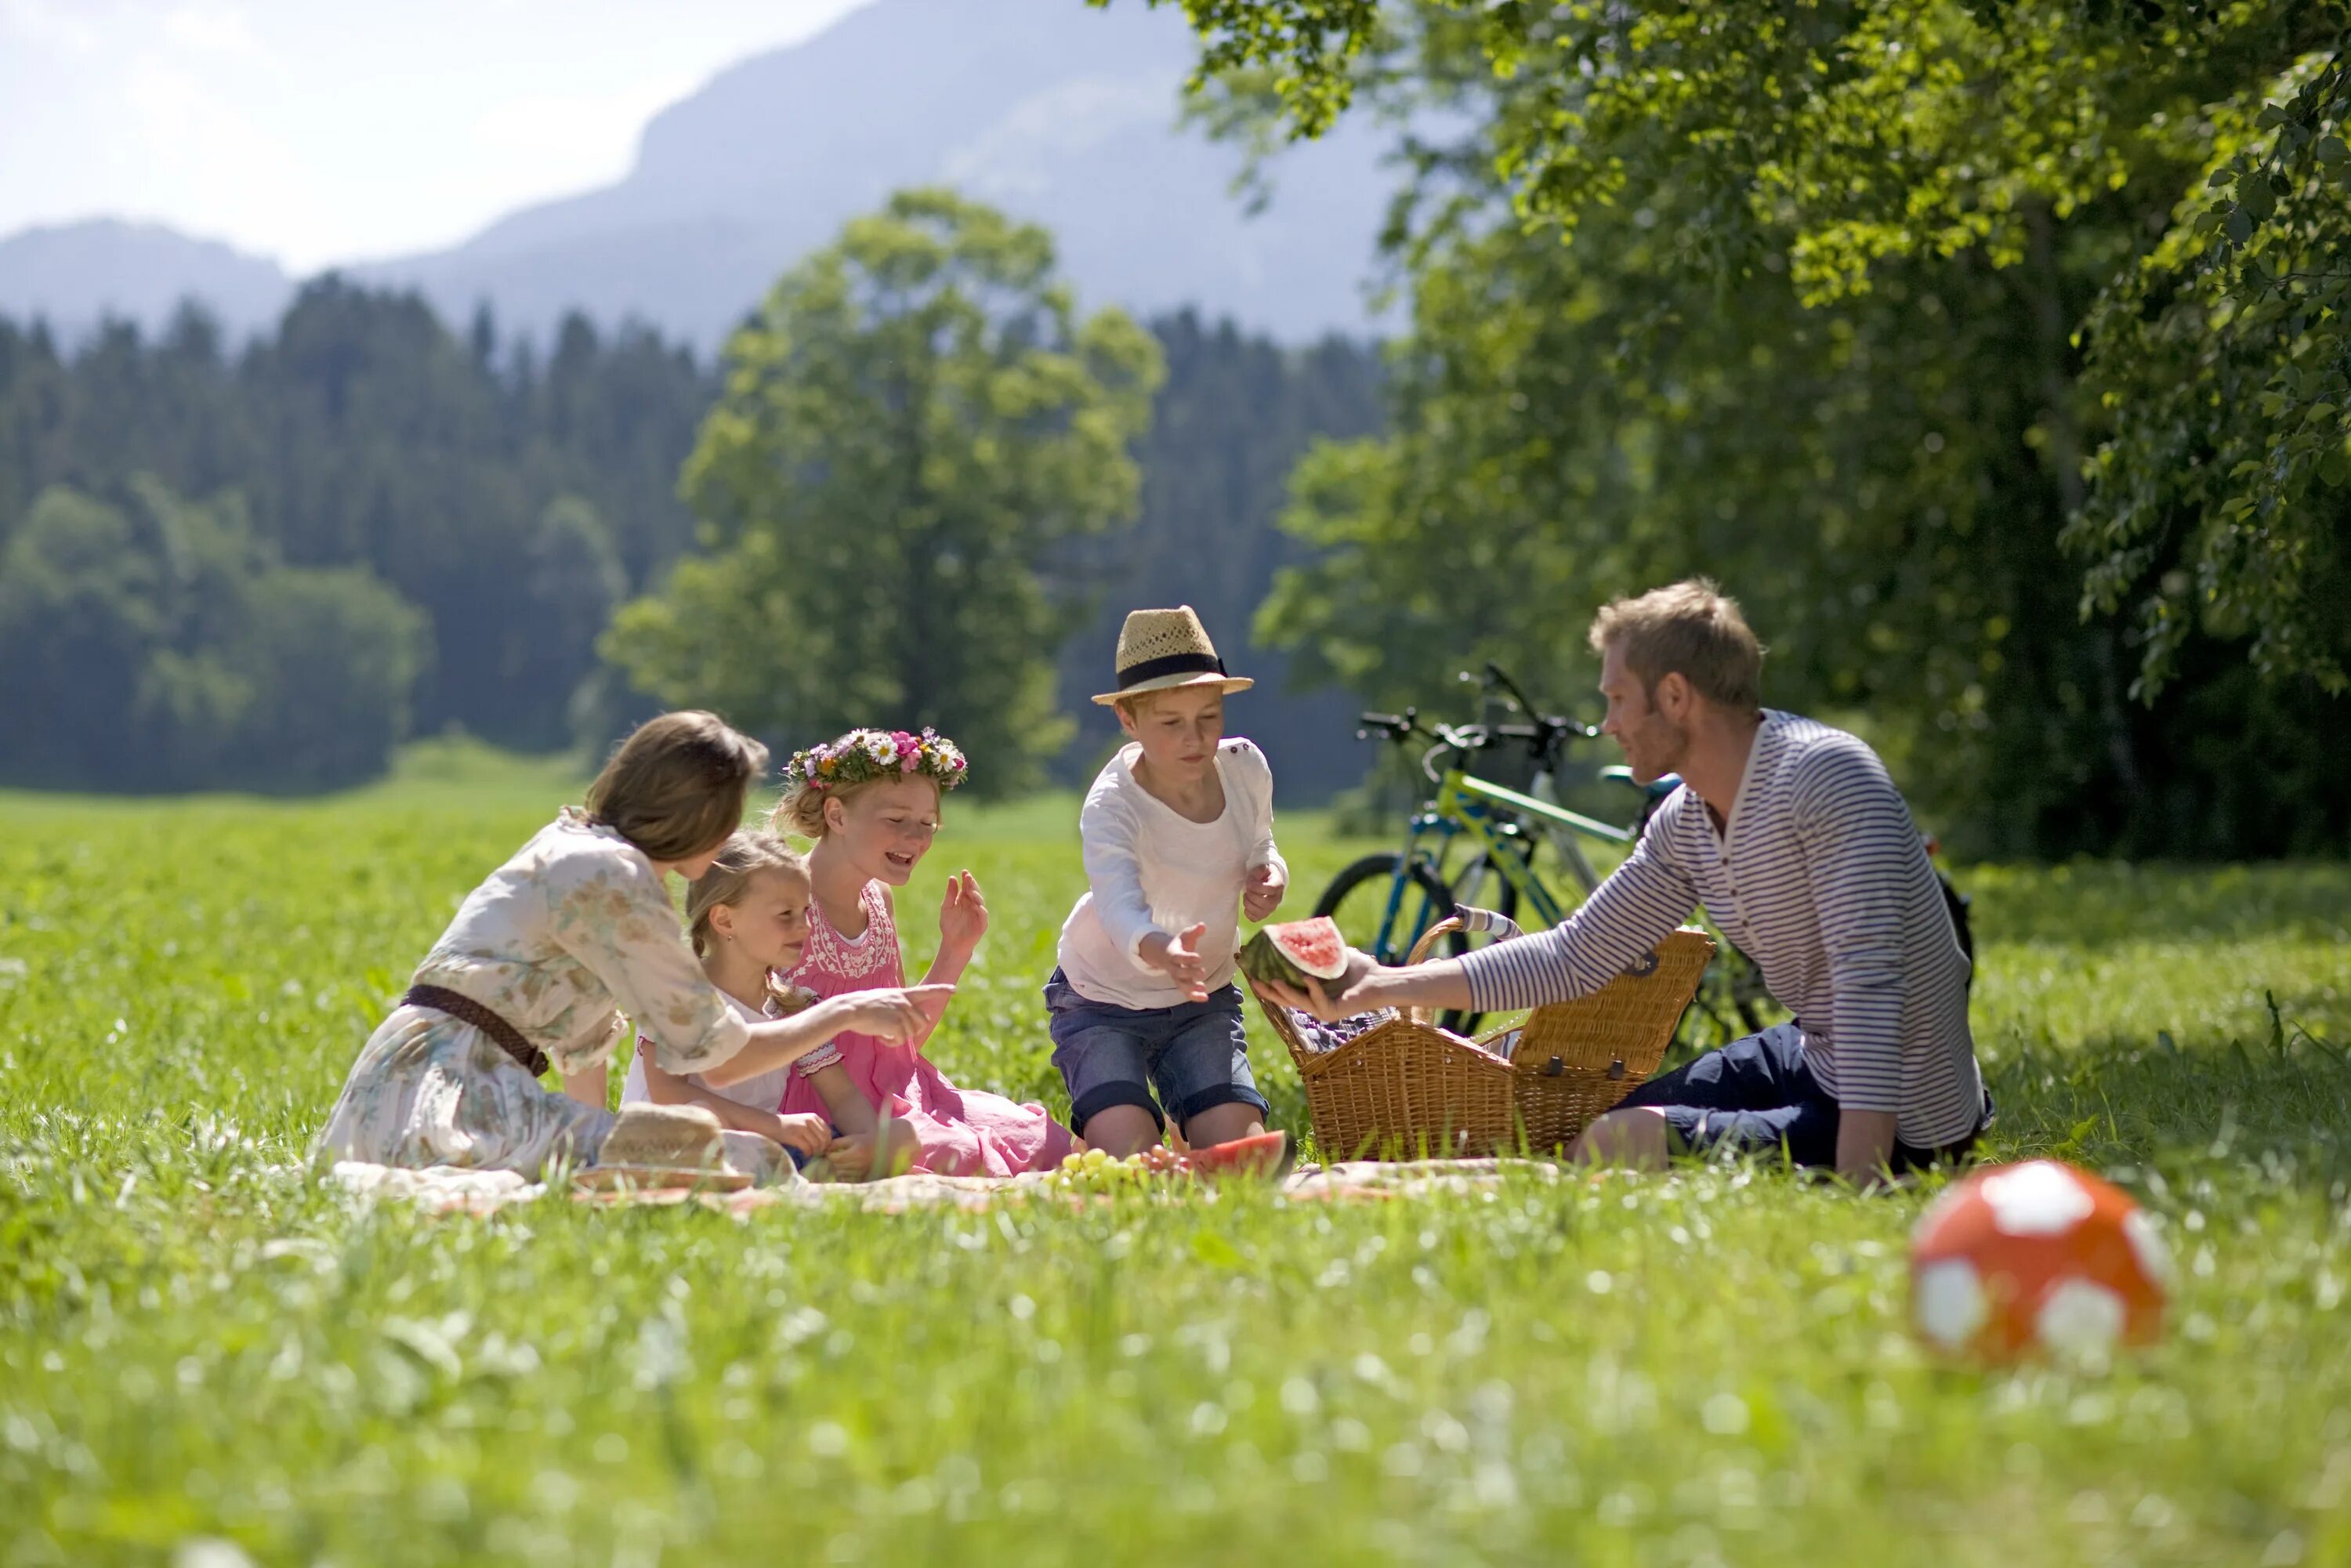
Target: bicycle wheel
[(1377, 916), (1479, 884)]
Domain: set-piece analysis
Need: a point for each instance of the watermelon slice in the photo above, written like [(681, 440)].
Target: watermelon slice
[(1295, 951)]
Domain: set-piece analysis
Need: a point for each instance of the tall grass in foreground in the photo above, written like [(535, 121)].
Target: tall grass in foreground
[(198, 1342)]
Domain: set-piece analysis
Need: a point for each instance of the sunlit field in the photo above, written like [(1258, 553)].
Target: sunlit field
[(201, 1345)]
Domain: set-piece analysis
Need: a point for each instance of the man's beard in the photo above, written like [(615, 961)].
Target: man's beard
[(1663, 745)]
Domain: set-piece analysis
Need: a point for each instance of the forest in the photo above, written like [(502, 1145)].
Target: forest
[(263, 566)]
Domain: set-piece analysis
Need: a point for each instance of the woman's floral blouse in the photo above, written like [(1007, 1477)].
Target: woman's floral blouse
[(572, 932)]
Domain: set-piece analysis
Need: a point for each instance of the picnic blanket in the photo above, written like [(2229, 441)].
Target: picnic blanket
[(444, 1190)]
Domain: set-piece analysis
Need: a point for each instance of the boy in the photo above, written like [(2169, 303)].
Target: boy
[(1177, 832)]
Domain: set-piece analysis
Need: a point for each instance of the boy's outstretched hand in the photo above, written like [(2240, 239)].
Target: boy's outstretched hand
[(1178, 959), (963, 915), (1262, 893)]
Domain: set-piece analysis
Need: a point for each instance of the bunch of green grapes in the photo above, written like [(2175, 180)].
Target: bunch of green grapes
[(1096, 1171)]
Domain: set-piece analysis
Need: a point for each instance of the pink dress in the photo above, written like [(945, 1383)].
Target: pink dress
[(961, 1131)]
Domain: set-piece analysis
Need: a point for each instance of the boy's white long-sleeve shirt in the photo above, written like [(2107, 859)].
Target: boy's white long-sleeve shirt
[(1150, 869)]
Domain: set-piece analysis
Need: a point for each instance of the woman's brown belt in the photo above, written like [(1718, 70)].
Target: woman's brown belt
[(466, 1010)]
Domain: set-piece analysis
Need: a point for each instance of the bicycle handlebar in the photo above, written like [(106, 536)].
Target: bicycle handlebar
[(1498, 676)]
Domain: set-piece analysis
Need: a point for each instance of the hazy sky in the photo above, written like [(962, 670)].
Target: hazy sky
[(321, 131)]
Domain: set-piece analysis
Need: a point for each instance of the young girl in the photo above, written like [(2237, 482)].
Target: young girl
[(871, 802), (540, 960), (748, 918)]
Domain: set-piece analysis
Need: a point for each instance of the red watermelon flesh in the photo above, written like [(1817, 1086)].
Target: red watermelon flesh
[(1293, 951)]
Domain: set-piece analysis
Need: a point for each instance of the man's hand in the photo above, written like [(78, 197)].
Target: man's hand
[(1865, 1147), (1343, 998), (1178, 959), (1262, 893), (963, 916)]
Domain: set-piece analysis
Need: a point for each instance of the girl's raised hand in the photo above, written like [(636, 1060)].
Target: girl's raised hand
[(963, 915)]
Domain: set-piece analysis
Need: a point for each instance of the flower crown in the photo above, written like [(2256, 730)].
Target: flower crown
[(864, 755)]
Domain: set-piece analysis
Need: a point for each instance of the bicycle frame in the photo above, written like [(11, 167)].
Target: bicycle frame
[(1469, 807), (1470, 802)]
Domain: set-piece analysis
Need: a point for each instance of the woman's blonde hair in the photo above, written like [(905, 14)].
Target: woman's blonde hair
[(728, 880), (677, 784), (802, 810)]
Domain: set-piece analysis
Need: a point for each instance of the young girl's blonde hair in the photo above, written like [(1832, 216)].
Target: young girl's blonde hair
[(802, 810), (744, 857)]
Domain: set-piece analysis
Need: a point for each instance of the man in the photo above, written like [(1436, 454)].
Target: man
[(1797, 842)]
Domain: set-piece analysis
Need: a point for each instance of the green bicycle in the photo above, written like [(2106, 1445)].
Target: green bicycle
[(1474, 845)]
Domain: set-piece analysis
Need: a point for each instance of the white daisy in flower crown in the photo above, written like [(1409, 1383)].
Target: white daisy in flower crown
[(864, 755)]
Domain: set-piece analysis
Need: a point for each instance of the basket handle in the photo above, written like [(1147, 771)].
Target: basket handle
[(1420, 950)]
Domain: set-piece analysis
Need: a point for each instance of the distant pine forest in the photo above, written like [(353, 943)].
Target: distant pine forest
[(264, 565)]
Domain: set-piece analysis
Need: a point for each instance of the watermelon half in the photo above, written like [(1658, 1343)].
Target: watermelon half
[(1295, 951)]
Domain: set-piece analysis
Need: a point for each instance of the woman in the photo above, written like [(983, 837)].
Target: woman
[(543, 958)]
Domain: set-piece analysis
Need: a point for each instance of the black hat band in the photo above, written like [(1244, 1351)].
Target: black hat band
[(1170, 664)]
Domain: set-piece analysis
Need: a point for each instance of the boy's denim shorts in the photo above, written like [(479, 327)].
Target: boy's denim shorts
[(1195, 1055)]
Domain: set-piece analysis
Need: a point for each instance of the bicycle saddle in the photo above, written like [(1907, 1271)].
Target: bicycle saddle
[(1620, 774)]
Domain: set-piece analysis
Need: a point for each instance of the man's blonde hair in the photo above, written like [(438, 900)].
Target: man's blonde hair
[(1691, 628)]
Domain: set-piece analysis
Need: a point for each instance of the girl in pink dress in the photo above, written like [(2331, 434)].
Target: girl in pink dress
[(871, 802)]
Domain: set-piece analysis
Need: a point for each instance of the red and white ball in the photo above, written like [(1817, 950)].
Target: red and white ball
[(2037, 1258)]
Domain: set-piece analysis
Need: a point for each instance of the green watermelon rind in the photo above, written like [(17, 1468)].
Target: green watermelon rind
[(1262, 961)]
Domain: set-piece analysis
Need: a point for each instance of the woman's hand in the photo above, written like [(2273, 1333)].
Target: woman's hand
[(963, 916), (802, 1130), (891, 1017)]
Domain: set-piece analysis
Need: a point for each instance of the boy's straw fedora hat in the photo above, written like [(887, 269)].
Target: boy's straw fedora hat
[(1159, 650)]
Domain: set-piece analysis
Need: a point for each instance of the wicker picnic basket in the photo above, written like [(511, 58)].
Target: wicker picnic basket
[(1407, 1088)]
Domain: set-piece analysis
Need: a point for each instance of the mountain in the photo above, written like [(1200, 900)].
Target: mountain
[(75, 275), (1050, 110)]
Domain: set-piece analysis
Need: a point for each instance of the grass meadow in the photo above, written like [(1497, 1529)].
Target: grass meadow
[(206, 1356)]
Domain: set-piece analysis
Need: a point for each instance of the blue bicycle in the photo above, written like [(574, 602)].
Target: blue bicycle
[(1475, 843)]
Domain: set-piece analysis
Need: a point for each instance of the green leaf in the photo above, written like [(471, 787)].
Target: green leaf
[(2332, 150), (2254, 195), (2335, 468), (2239, 226)]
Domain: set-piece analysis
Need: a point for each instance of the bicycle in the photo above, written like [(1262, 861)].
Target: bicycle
[(1506, 827)]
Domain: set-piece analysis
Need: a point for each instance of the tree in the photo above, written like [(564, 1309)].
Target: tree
[(917, 417), (362, 433), (159, 644), (1883, 474), (1841, 144), (79, 614), (1235, 413)]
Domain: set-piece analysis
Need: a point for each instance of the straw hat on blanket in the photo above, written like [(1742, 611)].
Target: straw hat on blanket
[(1159, 650), (676, 1145)]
